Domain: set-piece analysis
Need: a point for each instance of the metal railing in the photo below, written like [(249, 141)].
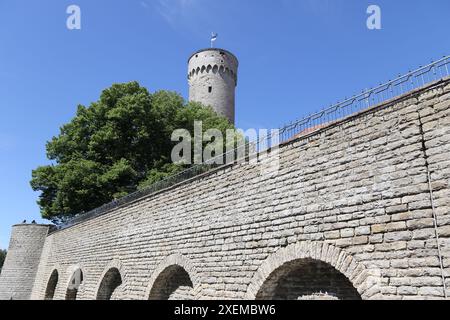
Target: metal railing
[(401, 85), (412, 80)]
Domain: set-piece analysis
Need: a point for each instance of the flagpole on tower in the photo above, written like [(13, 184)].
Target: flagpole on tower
[(213, 38)]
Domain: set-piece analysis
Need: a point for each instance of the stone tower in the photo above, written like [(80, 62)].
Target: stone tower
[(212, 79), (22, 261)]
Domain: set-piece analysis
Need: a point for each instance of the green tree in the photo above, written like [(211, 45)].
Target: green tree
[(118, 144), (2, 258)]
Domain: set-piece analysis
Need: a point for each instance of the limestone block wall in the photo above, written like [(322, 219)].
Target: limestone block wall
[(24, 253), (353, 198), (435, 118)]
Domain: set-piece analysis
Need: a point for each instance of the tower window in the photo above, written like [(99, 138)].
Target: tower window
[(209, 89)]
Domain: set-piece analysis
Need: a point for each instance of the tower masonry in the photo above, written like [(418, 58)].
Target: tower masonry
[(212, 79), (22, 261)]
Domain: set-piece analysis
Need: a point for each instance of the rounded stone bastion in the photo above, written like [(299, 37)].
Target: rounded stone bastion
[(212, 76), (22, 261)]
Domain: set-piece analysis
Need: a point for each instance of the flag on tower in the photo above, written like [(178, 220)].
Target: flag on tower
[(213, 38)]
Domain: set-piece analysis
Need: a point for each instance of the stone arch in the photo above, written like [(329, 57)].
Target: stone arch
[(209, 68), (174, 278), (112, 282), (215, 69), (75, 282), (340, 268), (52, 283)]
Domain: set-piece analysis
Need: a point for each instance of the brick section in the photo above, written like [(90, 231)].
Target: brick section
[(353, 197)]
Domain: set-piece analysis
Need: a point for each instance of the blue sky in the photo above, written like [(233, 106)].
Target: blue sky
[(296, 56)]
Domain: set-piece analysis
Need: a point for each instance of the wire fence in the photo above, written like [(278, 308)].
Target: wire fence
[(401, 85)]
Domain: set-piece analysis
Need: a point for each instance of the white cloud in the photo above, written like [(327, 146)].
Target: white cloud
[(176, 12), (195, 18)]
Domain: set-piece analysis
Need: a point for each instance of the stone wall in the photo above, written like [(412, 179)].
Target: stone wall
[(24, 253), (434, 114), (353, 199)]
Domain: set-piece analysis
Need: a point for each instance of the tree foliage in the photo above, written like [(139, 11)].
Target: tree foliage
[(118, 144)]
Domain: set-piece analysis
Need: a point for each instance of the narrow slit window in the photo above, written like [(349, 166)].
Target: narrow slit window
[(209, 89)]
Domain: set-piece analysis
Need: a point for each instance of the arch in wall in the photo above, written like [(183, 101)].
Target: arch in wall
[(75, 281), (313, 271), (51, 285), (112, 282), (174, 279)]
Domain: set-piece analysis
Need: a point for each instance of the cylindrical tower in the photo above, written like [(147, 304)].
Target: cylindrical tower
[(22, 261), (212, 79)]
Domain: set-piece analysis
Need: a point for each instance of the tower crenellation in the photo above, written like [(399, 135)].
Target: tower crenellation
[(212, 76)]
